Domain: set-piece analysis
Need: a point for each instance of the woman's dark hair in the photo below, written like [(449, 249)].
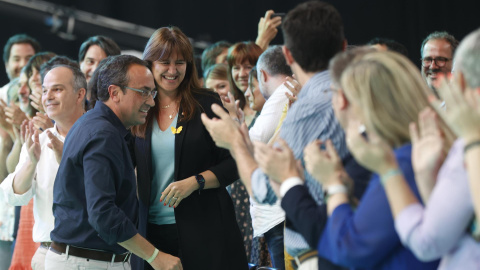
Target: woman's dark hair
[(163, 42), (106, 44), (37, 61)]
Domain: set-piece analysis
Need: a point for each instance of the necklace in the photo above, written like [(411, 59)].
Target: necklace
[(174, 112), (166, 107)]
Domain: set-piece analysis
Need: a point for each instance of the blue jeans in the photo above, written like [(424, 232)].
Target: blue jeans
[(274, 238)]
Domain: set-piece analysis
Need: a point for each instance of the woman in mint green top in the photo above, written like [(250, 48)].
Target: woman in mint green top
[(185, 209)]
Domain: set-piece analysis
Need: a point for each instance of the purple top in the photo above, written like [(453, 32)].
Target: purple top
[(439, 230)]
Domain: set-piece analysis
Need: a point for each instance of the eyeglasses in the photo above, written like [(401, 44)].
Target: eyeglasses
[(144, 93), (439, 61)]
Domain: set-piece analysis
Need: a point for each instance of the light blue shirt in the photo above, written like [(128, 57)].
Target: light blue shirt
[(311, 117), (163, 167)]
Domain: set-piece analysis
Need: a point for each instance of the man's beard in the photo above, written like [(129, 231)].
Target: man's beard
[(26, 108)]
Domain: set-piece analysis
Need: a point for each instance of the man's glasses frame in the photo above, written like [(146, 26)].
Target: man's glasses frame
[(439, 61), (143, 93)]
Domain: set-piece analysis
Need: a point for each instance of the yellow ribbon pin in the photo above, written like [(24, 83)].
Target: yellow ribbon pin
[(177, 130)]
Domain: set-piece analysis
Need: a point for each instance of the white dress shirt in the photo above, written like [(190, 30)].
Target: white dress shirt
[(41, 189), (266, 216), (7, 212), (267, 121)]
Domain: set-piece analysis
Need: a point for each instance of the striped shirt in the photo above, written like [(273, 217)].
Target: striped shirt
[(310, 117)]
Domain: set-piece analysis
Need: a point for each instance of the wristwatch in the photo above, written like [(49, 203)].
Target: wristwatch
[(200, 181)]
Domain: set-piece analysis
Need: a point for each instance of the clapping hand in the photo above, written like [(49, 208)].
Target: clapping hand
[(56, 145), (428, 146), (32, 141), (3, 118), (36, 100), (277, 162), (221, 130), (294, 86), (233, 108), (42, 122), (324, 165), (374, 154), (462, 112)]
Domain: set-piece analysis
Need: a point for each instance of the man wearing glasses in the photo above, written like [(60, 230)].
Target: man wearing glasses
[(437, 56), (95, 201)]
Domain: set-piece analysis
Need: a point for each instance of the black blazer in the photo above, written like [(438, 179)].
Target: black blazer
[(208, 232)]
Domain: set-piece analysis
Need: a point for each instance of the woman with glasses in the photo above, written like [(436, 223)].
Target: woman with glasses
[(185, 209)]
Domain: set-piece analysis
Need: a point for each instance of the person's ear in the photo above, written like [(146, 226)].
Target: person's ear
[(81, 94), (342, 100), (344, 45), (288, 55), (263, 76), (461, 80), (113, 92)]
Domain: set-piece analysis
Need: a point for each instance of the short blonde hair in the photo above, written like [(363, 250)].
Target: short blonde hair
[(390, 92)]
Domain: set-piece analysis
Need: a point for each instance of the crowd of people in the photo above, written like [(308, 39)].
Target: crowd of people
[(315, 154)]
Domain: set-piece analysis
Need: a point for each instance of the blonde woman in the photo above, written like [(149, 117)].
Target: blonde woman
[(385, 92), (441, 229)]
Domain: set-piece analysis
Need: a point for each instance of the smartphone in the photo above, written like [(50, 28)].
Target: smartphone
[(278, 15)]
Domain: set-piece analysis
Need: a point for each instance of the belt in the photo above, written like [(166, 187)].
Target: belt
[(298, 260), (45, 244), (90, 254)]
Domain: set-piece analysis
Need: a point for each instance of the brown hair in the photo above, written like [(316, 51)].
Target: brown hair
[(163, 42), (217, 72), (237, 54)]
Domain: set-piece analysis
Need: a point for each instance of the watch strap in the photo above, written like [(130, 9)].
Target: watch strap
[(201, 182)]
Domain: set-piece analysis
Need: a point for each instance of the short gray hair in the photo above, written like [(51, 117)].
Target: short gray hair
[(273, 62), (440, 35), (79, 80), (467, 59)]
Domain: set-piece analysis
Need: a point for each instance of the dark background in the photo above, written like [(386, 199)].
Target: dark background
[(407, 21)]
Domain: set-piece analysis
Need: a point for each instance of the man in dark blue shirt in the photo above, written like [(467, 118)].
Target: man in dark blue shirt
[(95, 197)]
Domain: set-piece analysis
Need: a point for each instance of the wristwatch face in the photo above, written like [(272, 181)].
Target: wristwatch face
[(200, 179)]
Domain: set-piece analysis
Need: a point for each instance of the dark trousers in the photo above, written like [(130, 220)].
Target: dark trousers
[(274, 238), (163, 237)]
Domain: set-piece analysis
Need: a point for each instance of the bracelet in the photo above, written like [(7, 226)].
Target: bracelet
[(391, 173), (470, 146), (335, 189), (154, 255)]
